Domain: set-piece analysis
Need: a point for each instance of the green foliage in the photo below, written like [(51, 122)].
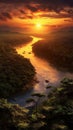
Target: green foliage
[(55, 113), (12, 116), (59, 127), (15, 71), (23, 125), (58, 109), (57, 50)]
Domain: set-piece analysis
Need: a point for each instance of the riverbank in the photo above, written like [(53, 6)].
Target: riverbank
[(44, 71), (14, 39), (25, 89), (58, 52), (15, 71)]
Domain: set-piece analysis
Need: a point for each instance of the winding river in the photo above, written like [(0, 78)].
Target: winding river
[(44, 71)]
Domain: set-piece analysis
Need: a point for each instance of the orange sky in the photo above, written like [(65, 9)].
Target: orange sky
[(28, 13)]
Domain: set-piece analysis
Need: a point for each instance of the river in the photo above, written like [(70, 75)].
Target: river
[(44, 71)]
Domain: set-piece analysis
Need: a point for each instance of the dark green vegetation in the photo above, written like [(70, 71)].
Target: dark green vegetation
[(55, 113), (12, 116), (58, 109), (57, 49), (14, 39), (15, 70)]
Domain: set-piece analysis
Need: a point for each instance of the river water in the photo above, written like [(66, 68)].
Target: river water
[(44, 71)]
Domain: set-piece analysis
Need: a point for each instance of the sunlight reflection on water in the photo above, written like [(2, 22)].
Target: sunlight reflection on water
[(44, 71)]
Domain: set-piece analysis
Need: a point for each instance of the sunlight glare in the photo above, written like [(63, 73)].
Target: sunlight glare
[(38, 25)]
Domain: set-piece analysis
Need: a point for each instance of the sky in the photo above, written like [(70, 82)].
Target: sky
[(31, 15)]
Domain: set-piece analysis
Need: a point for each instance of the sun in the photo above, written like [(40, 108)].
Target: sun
[(38, 25)]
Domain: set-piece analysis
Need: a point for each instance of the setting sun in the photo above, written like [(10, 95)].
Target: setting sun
[(38, 25)]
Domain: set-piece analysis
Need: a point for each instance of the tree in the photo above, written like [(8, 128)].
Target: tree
[(39, 96)]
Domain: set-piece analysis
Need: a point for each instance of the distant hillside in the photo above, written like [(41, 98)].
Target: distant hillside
[(15, 71), (14, 38), (57, 49)]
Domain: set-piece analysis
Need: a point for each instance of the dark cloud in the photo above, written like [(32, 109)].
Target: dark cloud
[(19, 8), (2, 18), (69, 20), (22, 11), (33, 9), (46, 3), (14, 1), (5, 15)]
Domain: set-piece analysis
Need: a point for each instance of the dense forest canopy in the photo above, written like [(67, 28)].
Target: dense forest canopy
[(57, 49), (15, 71), (55, 113)]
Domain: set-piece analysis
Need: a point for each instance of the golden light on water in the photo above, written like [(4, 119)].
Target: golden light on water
[(28, 47), (42, 67)]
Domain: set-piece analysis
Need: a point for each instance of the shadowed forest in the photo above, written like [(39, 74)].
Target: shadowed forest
[(15, 70), (57, 48), (49, 111)]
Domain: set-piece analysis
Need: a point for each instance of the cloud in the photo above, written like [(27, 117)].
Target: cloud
[(69, 20), (22, 11), (27, 8), (5, 15), (51, 4)]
